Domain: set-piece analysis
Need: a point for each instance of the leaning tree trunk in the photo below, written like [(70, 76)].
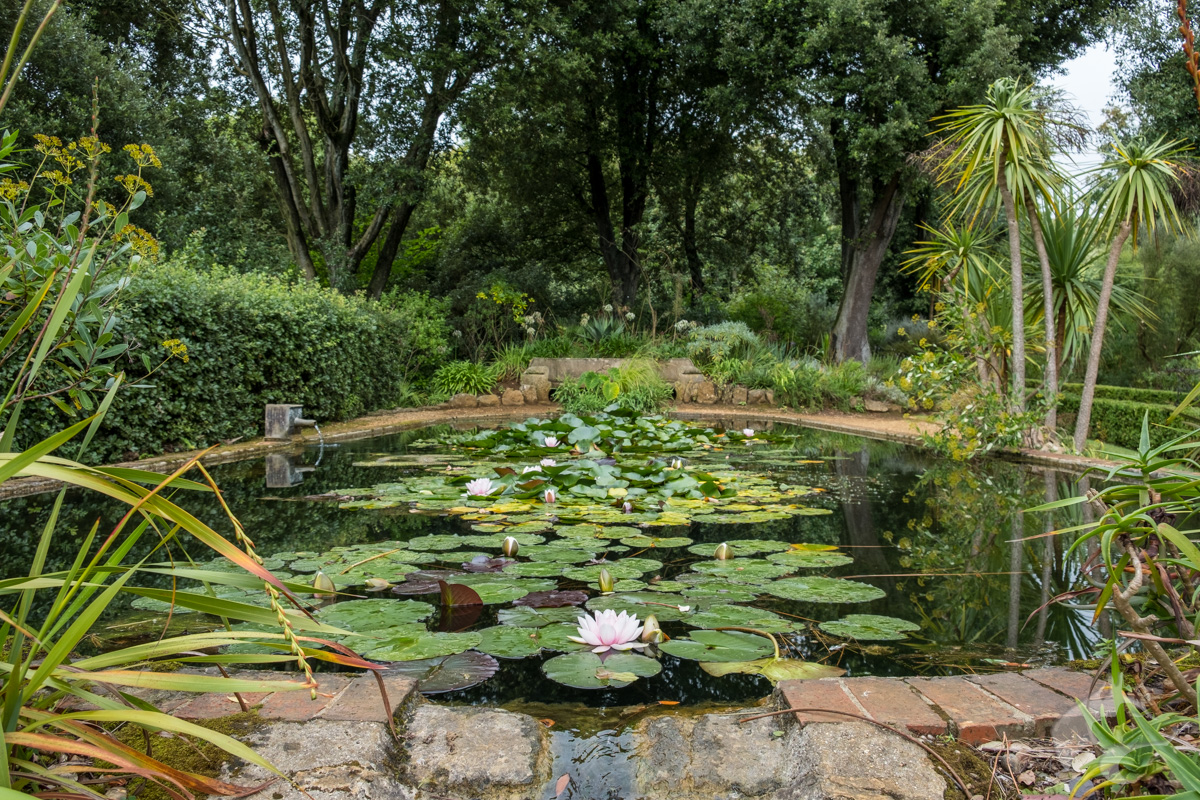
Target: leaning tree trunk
[(1084, 420), (1017, 400), (1051, 390), (861, 262)]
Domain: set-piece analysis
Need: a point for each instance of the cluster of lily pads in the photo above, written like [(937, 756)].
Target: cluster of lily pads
[(579, 531)]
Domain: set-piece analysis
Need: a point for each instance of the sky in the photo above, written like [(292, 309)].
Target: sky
[(1088, 83)]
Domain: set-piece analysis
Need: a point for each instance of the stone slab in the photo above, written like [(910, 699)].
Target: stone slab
[(858, 761), (977, 717), (1070, 683), (475, 752), (1046, 707), (324, 760), (712, 756), (299, 705), (895, 703), (812, 696), (216, 704), (361, 700)]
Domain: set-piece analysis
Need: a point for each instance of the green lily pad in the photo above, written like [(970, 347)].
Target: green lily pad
[(425, 645), (667, 587), (656, 541), (724, 616), (536, 569), (641, 603), (565, 555), (587, 671), (507, 641), (374, 617), (622, 568), (719, 646), (740, 547), (870, 627), (824, 590), (754, 571), (523, 617), (810, 559), (773, 669)]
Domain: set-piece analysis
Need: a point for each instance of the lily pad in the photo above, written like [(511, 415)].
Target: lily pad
[(586, 670), (773, 669), (824, 590), (621, 568), (656, 541), (743, 570), (421, 646), (447, 673), (870, 627), (719, 646), (374, 617), (642, 604), (537, 569), (810, 559), (537, 617), (740, 547), (724, 616), (507, 641), (552, 599)]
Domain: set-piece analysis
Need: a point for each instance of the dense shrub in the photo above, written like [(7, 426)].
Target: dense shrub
[(635, 385), (465, 377), (1127, 394), (250, 340), (1119, 422), (710, 344)]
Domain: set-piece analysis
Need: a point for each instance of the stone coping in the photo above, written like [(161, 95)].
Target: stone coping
[(884, 426)]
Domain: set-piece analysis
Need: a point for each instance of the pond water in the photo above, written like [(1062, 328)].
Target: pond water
[(889, 530)]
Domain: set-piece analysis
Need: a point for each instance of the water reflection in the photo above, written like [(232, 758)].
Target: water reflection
[(948, 542)]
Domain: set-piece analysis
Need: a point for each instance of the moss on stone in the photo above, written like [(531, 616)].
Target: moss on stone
[(974, 770), (191, 755)]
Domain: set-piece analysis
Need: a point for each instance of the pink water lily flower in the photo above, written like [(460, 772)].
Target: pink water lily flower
[(551, 441), (549, 496), (747, 431), (534, 468), (479, 487), (608, 630), (549, 462)]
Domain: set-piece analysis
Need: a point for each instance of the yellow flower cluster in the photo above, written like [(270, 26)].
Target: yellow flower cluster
[(177, 349), (11, 190), (135, 183), (141, 241), (143, 155)]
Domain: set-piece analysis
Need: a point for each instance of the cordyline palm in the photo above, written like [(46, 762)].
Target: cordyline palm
[(1137, 179), (1002, 148), (1076, 251)]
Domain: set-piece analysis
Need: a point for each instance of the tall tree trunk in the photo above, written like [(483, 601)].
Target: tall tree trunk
[(1039, 243), (389, 249), (690, 250), (1084, 420), (1017, 399), (863, 252)]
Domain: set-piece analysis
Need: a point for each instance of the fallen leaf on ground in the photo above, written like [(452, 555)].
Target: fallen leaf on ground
[(560, 786), (549, 723), (668, 702)]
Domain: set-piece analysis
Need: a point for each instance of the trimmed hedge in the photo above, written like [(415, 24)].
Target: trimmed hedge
[(251, 339), (1128, 394), (1119, 422)]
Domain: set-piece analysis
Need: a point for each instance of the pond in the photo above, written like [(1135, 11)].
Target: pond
[(854, 555)]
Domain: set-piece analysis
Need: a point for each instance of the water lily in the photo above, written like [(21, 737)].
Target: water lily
[(724, 552), (651, 632), (676, 463), (549, 462), (534, 468), (509, 546), (479, 487), (323, 585), (748, 432), (627, 507), (551, 441), (377, 584), (549, 497), (608, 630)]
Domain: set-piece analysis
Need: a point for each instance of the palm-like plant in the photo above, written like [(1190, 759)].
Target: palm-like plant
[(1136, 179), (1076, 251), (1001, 148)]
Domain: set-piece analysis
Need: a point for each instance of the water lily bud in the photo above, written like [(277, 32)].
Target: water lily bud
[(510, 546), (627, 507), (651, 632), (377, 584), (323, 584), (724, 552), (606, 581), (549, 496), (677, 463)]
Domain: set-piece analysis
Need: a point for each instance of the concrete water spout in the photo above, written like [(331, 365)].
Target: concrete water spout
[(283, 420)]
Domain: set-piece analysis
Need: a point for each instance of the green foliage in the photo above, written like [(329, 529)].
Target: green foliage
[(1128, 394), (251, 340), (465, 377), (710, 344), (1119, 422), (634, 386), (423, 330), (512, 360)]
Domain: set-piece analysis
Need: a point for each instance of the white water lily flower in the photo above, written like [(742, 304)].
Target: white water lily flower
[(479, 487), (747, 431), (551, 441), (534, 468), (608, 630), (549, 462), (549, 496)]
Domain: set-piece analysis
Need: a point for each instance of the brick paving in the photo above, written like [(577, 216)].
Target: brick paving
[(975, 708)]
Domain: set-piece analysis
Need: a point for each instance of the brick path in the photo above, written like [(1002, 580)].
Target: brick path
[(974, 708)]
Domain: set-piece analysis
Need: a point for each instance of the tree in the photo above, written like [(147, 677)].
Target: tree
[(1001, 147), (352, 97), (1138, 180)]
